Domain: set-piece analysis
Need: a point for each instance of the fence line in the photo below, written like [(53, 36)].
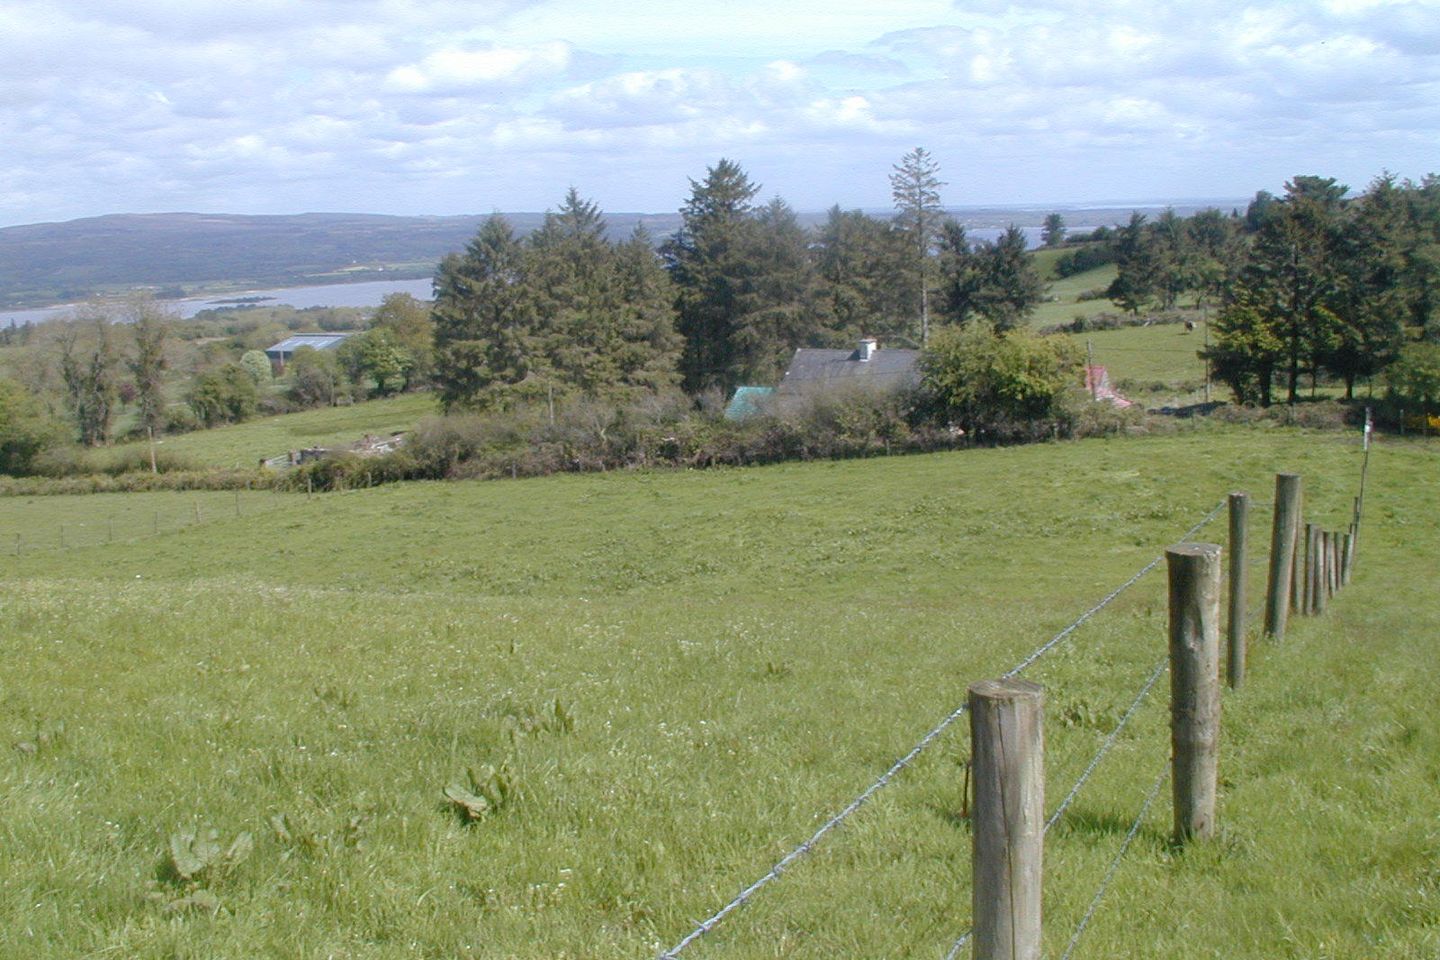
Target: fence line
[(132, 526), (705, 926)]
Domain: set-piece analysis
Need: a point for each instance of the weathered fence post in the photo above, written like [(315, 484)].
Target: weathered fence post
[(1007, 746), (62, 536), (1347, 556), (1332, 561), (1282, 553), (1319, 600), (1194, 685), (1297, 573), (1235, 661), (197, 511), (157, 523)]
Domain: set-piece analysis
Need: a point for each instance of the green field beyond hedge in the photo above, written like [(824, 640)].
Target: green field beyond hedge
[(679, 676)]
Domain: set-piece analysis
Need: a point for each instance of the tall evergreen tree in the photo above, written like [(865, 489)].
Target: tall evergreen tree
[(1292, 274), (649, 348), (483, 328), (915, 188), (711, 261), (1137, 266), (857, 258)]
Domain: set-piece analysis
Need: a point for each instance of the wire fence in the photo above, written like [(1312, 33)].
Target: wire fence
[(705, 926), (1107, 745), (32, 526)]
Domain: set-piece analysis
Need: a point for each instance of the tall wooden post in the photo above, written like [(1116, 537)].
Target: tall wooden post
[(1194, 685), (1334, 562), (1235, 659), (1282, 553), (1318, 576), (1008, 754)]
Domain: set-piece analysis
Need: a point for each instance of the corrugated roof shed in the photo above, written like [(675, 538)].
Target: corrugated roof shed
[(747, 402), (320, 341)]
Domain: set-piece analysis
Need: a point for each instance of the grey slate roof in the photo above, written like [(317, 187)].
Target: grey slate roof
[(813, 370)]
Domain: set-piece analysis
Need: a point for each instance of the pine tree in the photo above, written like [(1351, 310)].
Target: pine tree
[(915, 188), (483, 327), (711, 261), (857, 258)]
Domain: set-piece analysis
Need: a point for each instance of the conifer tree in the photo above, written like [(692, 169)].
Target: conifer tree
[(915, 188)]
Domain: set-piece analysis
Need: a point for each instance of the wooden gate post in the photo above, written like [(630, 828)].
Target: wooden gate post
[(1235, 659), (1194, 686), (1007, 746), (1282, 553)]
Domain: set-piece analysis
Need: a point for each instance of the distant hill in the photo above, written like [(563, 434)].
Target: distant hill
[(176, 253), (180, 254)]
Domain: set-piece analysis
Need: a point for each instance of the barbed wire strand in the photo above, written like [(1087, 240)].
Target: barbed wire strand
[(705, 926), (1084, 617), (1155, 675), (1115, 863)]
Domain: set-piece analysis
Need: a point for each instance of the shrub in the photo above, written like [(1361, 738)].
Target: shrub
[(224, 395)]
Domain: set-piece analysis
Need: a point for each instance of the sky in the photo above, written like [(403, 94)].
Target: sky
[(472, 106)]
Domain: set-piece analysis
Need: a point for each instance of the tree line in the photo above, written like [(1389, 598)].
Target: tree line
[(1315, 283), (723, 302)]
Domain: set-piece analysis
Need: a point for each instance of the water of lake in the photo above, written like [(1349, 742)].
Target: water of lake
[(367, 294)]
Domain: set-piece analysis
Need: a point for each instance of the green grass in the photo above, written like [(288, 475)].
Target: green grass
[(743, 651), (1062, 303), (1152, 365), (244, 444)]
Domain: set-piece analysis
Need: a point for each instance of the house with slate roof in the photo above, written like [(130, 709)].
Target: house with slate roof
[(867, 367)]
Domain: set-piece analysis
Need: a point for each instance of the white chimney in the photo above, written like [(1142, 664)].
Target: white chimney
[(868, 346)]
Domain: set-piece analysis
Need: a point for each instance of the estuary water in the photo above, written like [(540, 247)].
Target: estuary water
[(366, 294)]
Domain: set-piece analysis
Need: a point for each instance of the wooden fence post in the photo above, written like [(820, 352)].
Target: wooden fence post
[(1282, 553), (1347, 554), (1235, 660), (1318, 574), (1007, 746), (1194, 686), (1298, 572)]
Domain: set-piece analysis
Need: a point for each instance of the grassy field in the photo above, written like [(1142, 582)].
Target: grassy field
[(1153, 365), (243, 444), (679, 676)]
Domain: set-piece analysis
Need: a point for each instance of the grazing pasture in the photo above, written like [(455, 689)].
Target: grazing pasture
[(236, 739)]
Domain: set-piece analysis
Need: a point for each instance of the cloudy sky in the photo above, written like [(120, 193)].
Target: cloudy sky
[(441, 106)]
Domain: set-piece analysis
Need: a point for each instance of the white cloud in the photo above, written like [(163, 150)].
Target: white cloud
[(344, 104)]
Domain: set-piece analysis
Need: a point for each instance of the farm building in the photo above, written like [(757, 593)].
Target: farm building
[(866, 367), (285, 349)]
